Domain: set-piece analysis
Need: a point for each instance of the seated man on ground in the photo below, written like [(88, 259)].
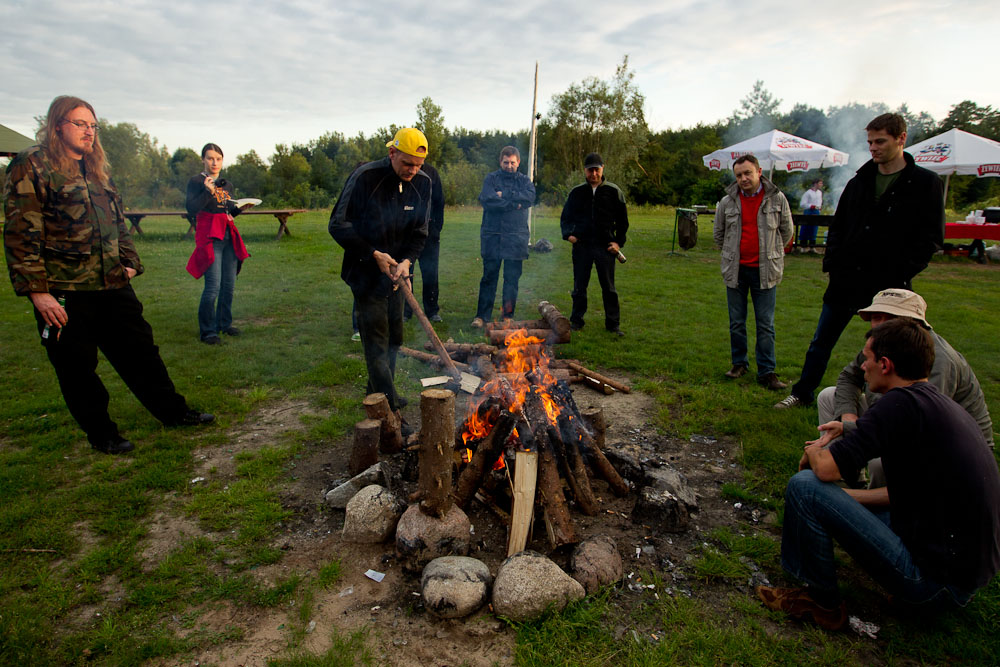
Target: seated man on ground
[(951, 374), (935, 538)]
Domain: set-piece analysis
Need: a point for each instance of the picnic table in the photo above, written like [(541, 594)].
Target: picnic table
[(135, 218), (965, 230)]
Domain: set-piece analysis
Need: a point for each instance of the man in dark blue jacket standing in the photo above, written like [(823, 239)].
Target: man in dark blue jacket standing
[(381, 221), (503, 238), (594, 219)]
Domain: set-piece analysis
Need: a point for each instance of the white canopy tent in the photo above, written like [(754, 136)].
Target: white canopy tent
[(778, 150), (958, 152)]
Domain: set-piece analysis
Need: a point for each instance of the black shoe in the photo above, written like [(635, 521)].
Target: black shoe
[(771, 381), (616, 331), (211, 340), (576, 326), (114, 445), (194, 418), (232, 331), (737, 371), (435, 318)]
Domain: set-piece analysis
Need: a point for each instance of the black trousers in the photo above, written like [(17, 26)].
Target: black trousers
[(110, 321), (380, 322), (585, 256), (428, 262)]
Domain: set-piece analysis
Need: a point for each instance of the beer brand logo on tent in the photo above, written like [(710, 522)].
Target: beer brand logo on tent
[(798, 165), (791, 142), (985, 169), (714, 164), (838, 158), (938, 152), (736, 154)]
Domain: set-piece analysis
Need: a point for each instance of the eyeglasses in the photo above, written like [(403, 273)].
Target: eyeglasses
[(84, 125)]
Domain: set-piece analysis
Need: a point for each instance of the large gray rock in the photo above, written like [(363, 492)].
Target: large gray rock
[(667, 478), (528, 583), (661, 510), (596, 562), (339, 496), (421, 538), (372, 514), (455, 586)]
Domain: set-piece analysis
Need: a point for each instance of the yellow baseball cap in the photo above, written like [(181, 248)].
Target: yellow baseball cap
[(411, 141)]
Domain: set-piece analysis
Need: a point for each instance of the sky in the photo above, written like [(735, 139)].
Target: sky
[(254, 74)]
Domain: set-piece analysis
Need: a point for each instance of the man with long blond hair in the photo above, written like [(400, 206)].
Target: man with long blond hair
[(69, 252)]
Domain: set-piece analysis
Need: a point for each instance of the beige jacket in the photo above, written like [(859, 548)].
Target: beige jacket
[(774, 229)]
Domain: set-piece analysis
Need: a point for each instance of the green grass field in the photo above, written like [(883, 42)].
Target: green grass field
[(73, 523)]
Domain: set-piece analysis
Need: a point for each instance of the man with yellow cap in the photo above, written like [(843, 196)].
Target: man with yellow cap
[(381, 220)]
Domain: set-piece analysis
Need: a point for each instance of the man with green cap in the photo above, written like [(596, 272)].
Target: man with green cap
[(381, 220)]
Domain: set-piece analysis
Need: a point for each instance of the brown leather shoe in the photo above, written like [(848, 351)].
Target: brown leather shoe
[(737, 371), (771, 381), (796, 603)]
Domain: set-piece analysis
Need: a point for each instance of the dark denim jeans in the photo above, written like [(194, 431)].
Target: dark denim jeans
[(817, 513), (215, 312), (586, 255), (380, 322), (488, 287), (832, 322), (807, 233), (763, 312)]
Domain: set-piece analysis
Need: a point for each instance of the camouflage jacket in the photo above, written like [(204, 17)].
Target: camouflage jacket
[(63, 232)]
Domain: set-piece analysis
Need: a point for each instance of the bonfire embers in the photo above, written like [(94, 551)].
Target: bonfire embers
[(525, 408)]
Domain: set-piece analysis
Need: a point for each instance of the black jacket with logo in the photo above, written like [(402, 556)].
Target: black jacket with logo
[(595, 216)]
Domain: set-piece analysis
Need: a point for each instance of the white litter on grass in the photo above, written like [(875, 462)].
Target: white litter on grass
[(197, 479), (347, 591), (863, 628), (375, 576)]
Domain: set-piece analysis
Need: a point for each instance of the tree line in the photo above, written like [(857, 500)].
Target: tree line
[(607, 116)]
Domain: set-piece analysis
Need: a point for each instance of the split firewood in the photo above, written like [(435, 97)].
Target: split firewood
[(558, 321), (446, 363), (600, 378), (377, 407), (487, 452), (437, 433), (434, 360), (549, 336), (522, 510), (592, 383), (364, 452)]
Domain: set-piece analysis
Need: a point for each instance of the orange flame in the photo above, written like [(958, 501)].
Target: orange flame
[(500, 464)]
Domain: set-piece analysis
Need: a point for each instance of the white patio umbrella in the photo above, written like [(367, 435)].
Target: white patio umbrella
[(778, 150), (958, 152)]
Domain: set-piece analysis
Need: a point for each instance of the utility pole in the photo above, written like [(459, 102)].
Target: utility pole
[(531, 155)]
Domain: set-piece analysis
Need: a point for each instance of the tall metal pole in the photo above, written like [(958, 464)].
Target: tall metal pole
[(531, 155)]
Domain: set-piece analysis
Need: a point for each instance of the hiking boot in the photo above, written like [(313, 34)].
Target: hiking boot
[(797, 603), (478, 323), (231, 331), (771, 381), (113, 445), (789, 401), (211, 340), (737, 371)]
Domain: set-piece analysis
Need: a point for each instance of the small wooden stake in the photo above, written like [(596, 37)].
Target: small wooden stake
[(525, 477), (377, 407), (364, 454), (437, 435)]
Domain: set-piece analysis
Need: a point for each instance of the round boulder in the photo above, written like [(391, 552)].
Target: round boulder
[(596, 562), (421, 538), (528, 583), (372, 514), (455, 586)]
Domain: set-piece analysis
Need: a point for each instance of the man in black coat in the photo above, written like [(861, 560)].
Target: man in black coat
[(503, 238), (594, 219), (889, 222), (381, 221)]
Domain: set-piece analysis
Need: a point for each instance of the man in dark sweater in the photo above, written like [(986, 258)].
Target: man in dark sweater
[(889, 221), (594, 219), (381, 221), (931, 536)]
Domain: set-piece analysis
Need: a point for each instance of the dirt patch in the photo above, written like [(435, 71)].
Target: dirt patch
[(399, 632)]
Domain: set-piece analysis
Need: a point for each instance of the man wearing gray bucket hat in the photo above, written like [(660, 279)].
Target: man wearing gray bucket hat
[(951, 374)]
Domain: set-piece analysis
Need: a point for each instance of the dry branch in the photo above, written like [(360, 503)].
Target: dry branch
[(600, 378)]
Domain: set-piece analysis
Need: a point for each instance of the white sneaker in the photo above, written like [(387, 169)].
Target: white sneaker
[(789, 401), (356, 337)]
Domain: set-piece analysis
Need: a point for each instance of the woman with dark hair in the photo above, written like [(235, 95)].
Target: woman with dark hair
[(219, 249)]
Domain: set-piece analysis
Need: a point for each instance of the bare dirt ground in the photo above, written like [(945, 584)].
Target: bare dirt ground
[(400, 632)]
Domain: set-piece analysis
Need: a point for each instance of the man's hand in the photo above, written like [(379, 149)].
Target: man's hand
[(210, 184), (53, 314), (130, 272), (402, 270), (385, 262), (571, 239), (828, 432), (499, 193), (613, 248)]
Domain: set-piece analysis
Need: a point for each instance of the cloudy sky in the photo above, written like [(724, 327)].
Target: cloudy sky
[(253, 74)]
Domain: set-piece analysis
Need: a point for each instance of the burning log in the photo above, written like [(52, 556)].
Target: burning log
[(600, 463), (550, 336), (447, 364), (434, 360), (514, 325), (575, 472), (487, 453), (557, 520), (600, 378), (364, 453), (556, 320), (377, 407), (485, 368), (437, 432)]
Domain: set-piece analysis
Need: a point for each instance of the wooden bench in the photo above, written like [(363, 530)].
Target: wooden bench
[(135, 217)]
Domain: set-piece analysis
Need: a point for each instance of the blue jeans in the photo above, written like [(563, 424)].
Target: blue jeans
[(832, 322), (215, 312), (488, 287), (763, 312), (807, 233), (818, 512)]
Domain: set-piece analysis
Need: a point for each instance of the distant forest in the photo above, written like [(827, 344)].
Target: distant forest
[(608, 116)]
